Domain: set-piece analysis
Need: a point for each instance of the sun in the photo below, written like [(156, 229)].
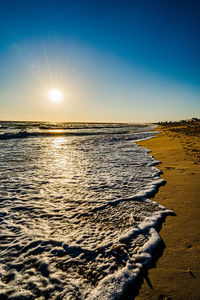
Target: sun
[(55, 95)]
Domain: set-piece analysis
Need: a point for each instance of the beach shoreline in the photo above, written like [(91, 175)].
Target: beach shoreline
[(177, 273)]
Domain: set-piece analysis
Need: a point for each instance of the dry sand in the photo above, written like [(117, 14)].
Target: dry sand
[(177, 273)]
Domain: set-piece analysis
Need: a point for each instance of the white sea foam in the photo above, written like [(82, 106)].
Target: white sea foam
[(76, 222)]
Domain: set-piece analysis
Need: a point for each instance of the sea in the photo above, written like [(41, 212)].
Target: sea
[(76, 219)]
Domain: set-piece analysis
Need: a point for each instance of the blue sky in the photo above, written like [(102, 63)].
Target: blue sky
[(117, 61)]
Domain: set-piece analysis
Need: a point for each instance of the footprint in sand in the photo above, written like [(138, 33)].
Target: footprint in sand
[(181, 170), (195, 150)]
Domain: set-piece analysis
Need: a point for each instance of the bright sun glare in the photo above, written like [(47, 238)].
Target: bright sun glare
[(55, 95)]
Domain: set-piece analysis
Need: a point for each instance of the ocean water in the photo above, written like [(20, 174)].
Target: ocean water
[(75, 218)]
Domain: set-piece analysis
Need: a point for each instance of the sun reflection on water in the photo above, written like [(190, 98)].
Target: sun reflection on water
[(60, 157)]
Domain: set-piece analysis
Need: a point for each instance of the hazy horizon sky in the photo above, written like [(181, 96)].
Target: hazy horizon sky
[(114, 61)]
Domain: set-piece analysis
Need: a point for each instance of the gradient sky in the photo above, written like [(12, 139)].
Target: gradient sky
[(114, 61)]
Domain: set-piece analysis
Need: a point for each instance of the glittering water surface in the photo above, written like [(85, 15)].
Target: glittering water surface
[(75, 221)]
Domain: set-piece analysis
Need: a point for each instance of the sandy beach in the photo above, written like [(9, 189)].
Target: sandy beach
[(177, 273)]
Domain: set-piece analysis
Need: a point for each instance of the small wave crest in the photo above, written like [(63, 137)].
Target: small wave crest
[(29, 134)]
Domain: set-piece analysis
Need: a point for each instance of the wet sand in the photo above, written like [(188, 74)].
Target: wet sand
[(177, 273)]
